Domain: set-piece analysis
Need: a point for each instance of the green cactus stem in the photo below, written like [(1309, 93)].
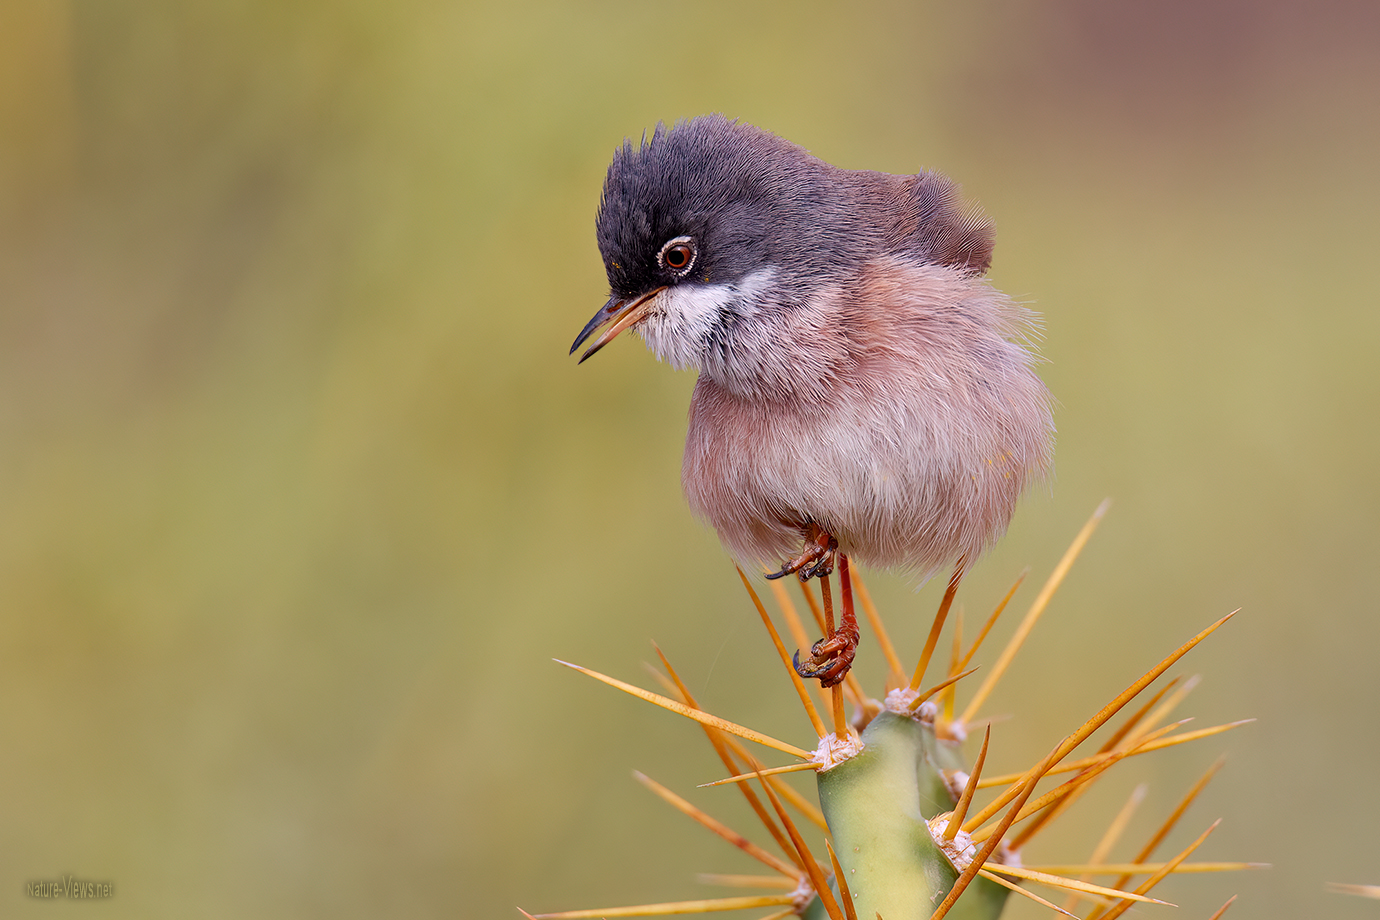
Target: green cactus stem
[(878, 804)]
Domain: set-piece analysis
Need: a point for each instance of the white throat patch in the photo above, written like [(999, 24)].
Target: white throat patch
[(682, 317)]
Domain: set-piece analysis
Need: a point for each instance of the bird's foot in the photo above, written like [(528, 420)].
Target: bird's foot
[(830, 658), (816, 559)]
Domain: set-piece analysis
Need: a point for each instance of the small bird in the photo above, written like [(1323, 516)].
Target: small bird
[(863, 391)]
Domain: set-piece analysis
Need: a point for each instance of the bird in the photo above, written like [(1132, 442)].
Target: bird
[(863, 391)]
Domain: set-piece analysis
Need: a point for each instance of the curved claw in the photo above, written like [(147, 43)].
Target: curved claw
[(816, 557), (830, 659), (822, 566)]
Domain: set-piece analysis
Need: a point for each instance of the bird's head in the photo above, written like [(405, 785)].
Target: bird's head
[(693, 226)]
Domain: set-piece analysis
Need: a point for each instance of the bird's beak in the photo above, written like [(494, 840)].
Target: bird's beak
[(620, 314)]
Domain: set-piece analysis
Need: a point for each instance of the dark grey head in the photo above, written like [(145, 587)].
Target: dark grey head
[(736, 192), (707, 204), (697, 221)]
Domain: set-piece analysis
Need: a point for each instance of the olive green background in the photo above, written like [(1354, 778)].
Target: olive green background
[(300, 493)]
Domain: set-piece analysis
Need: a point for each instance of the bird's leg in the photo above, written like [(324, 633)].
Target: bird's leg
[(815, 559), (831, 657)]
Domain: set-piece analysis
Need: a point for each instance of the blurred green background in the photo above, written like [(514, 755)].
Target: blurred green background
[(300, 492)]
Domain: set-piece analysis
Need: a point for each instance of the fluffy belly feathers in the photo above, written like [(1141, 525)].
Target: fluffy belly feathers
[(911, 476)]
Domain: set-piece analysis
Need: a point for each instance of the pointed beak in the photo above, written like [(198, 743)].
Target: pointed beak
[(619, 315)]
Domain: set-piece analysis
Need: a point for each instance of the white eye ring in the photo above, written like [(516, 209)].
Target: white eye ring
[(681, 270)]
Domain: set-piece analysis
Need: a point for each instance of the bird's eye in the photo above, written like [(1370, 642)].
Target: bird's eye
[(678, 255)]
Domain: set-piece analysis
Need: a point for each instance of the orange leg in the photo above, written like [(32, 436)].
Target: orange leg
[(831, 657)]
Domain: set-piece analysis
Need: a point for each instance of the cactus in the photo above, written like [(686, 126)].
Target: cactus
[(905, 838)]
